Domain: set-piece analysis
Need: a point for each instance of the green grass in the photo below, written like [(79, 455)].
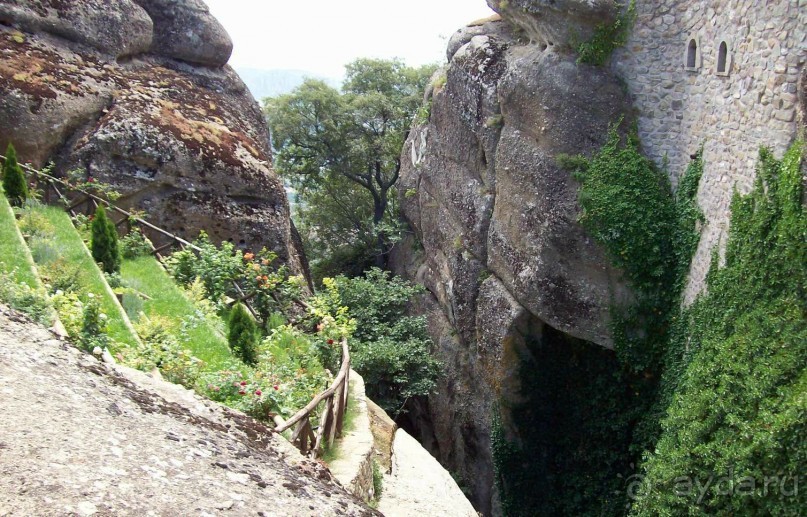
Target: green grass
[(14, 254), (145, 276), (331, 454), (60, 241)]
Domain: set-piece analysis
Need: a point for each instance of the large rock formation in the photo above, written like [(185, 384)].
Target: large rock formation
[(80, 437), (138, 95), (515, 285), (495, 216)]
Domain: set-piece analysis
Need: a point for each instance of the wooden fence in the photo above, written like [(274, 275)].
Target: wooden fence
[(332, 418), (335, 398)]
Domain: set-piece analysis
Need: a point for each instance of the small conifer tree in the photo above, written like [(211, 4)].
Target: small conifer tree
[(14, 184), (242, 337), (104, 242)]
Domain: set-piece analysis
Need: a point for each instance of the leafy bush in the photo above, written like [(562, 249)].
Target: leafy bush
[(93, 325), (161, 349), (33, 223), (285, 380), (26, 299), (61, 275), (15, 185), (607, 38), (71, 311), (391, 351), (134, 244), (243, 335), (104, 242)]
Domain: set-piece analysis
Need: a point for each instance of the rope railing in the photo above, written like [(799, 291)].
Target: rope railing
[(129, 219), (335, 397)]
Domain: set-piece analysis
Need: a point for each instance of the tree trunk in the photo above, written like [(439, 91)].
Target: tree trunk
[(380, 206)]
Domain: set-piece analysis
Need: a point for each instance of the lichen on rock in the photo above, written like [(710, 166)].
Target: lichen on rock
[(161, 118)]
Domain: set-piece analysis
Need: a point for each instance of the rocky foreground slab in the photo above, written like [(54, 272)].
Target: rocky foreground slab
[(79, 437)]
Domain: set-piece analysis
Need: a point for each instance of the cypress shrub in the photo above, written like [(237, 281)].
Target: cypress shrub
[(14, 184), (104, 242), (242, 337)]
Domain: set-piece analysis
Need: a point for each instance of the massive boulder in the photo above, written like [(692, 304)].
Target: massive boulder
[(80, 437), (137, 95), (496, 238), (556, 23), (186, 30), (116, 27)]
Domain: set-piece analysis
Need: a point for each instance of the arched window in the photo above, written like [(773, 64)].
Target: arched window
[(692, 54), (723, 59)]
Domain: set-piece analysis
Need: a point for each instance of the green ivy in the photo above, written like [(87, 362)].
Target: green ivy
[(738, 410), (607, 38), (591, 412)]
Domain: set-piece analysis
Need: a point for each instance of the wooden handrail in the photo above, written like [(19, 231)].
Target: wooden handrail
[(325, 394)]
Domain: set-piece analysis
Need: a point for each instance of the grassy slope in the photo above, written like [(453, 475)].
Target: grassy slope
[(145, 275), (14, 252), (68, 245)]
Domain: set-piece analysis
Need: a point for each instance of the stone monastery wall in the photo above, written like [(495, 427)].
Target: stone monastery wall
[(724, 74)]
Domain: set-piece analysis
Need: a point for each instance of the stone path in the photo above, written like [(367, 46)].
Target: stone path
[(419, 486)]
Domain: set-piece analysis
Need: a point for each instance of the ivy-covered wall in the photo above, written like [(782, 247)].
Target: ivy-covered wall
[(701, 409)]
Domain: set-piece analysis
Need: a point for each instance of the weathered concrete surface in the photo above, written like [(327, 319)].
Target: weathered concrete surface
[(419, 485), (79, 437), (383, 428), (353, 466)]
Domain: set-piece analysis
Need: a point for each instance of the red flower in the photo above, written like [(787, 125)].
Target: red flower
[(90, 180), (242, 392), (258, 392), (243, 383), (330, 341), (275, 387)]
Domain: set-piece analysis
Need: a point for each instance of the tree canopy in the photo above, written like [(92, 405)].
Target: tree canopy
[(341, 150)]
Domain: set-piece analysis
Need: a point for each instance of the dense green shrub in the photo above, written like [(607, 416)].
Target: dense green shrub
[(243, 335), (14, 183), (270, 285), (390, 350), (26, 299), (161, 349), (285, 379), (738, 412), (134, 244), (93, 325), (104, 242)]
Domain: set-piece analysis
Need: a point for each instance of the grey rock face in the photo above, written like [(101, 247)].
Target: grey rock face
[(117, 27), (502, 253), (556, 23), (185, 30), (80, 437), (186, 144)]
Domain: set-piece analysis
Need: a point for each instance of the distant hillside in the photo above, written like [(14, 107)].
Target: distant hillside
[(268, 83)]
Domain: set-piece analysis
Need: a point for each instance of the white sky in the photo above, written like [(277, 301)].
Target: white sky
[(321, 36)]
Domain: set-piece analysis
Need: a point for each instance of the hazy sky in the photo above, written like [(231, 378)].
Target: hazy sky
[(320, 36)]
